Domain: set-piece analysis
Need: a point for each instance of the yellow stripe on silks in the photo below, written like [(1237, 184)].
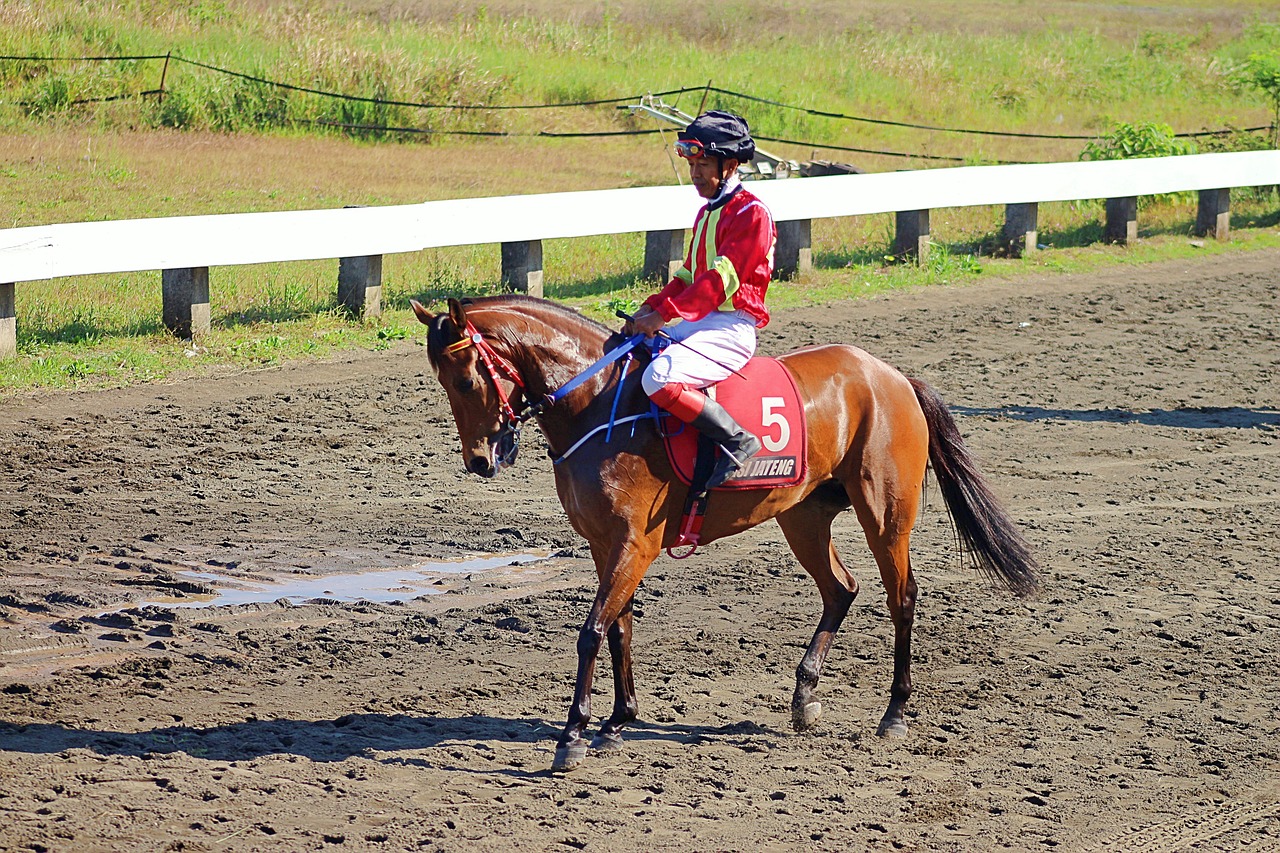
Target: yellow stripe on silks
[(685, 272), (699, 251), (719, 263), (709, 226), (729, 276)]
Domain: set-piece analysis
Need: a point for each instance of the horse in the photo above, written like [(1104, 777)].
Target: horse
[(872, 433)]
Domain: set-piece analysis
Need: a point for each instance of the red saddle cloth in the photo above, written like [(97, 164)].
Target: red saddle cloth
[(765, 402)]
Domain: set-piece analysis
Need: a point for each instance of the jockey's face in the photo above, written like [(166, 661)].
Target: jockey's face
[(708, 175)]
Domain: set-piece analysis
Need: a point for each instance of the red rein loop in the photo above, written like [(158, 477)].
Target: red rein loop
[(671, 552)]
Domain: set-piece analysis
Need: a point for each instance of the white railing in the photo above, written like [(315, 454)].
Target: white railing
[(191, 244)]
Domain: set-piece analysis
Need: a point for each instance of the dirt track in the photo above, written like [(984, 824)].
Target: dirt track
[(1129, 420)]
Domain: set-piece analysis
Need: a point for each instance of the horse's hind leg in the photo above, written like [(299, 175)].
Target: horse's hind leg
[(900, 585), (886, 507), (807, 527)]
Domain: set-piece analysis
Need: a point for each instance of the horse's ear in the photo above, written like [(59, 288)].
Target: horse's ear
[(424, 315), (458, 315)]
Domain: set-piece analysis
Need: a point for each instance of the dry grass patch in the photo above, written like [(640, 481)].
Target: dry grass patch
[(761, 20)]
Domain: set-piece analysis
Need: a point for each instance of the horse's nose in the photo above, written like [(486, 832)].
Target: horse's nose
[(480, 465)]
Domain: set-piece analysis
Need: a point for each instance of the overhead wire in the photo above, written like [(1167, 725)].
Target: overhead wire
[(941, 129), (705, 89)]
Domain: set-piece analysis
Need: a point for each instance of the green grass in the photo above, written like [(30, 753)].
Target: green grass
[(219, 144), (1085, 67)]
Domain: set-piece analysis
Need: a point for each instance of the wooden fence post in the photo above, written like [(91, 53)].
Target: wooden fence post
[(185, 298), (663, 254), (1213, 218), (360, 285), (1122, 220), (911, 235), (8, 322), (1021, 224), (793, 255), (522, 267)]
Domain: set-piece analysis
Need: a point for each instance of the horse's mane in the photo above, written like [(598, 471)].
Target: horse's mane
[(522, 304), (442, 332)]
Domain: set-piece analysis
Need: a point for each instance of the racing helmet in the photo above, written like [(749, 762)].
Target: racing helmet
[(719, 134)]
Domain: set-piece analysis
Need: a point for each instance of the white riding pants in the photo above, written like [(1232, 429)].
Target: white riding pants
[(727, 337)]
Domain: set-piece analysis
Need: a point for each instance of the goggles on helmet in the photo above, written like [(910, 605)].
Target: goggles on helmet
[(690, 148)]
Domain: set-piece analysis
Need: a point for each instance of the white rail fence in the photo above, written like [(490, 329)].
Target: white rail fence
[(185, 247)]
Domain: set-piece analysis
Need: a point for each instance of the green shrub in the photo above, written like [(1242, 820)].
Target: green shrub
[(1233, 138), (1140, 139)]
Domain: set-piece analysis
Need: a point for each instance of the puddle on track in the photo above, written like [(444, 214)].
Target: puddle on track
[(402, 583)]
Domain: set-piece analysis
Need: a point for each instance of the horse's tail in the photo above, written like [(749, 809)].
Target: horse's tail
[(991, 538)]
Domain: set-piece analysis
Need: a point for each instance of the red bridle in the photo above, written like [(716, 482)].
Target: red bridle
[(495, 364)]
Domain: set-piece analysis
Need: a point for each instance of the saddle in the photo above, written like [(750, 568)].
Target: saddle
[(763, 400)]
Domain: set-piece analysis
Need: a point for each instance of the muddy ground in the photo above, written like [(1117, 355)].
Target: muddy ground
[(1128, 418)]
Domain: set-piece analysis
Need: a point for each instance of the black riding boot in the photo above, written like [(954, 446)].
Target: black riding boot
[(736, 444)]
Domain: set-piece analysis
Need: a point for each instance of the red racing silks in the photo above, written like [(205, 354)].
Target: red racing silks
[(728, 265)]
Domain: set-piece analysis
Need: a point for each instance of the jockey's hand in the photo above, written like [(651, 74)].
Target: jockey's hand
[(647, 322)]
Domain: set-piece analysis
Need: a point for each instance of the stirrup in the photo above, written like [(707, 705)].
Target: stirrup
[(691, 533)]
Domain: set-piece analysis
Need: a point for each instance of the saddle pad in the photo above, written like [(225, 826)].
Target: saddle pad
[(767, 403)]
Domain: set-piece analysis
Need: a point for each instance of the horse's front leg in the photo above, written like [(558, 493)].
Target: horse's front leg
[(625, 707), (618, 581)]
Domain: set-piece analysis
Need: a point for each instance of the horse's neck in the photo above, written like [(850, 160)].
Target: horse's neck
[(549, 357), (548, 353), (556, 358)]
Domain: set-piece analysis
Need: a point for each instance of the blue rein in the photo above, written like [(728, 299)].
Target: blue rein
[(600, 364)]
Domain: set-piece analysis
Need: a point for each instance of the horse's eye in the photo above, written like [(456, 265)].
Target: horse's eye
[(465, 385)]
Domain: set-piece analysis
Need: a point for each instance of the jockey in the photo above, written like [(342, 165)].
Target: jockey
[(718, 293)]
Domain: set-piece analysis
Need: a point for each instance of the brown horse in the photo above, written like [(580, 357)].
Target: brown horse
[(871, 434)]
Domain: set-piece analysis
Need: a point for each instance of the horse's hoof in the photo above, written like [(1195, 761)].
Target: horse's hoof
[(569, 757), (895, 729), (607, 742), (806, 716)]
